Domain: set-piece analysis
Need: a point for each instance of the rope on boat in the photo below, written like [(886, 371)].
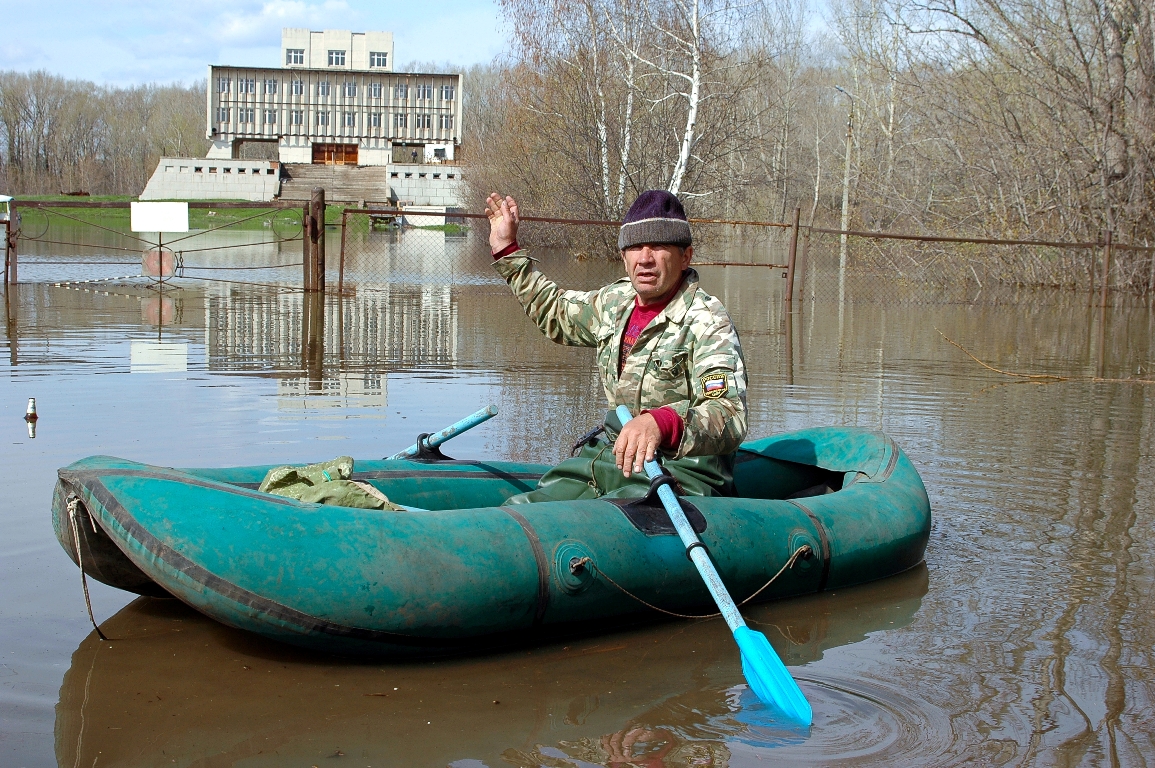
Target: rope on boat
[(802, 552), (73, 504)]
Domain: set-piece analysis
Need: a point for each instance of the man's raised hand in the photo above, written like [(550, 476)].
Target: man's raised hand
[(503, 221)]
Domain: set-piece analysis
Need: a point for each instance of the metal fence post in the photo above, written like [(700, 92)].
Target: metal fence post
[(341, 264), (306, 243), (793, 258), (315, 263), (10, 236), (7, 245), (1108, 247)]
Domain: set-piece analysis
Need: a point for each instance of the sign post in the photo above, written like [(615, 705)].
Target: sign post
[(159, 218)]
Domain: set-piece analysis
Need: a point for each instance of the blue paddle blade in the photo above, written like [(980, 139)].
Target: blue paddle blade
[(769, 678)]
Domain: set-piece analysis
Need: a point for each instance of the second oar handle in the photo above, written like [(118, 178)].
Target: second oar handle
[(450, 432), (694, 546)]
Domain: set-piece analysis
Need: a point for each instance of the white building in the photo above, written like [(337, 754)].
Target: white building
[(335, 100)]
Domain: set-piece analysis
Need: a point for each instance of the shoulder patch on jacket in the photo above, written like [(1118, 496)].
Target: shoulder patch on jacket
[(714, 385)]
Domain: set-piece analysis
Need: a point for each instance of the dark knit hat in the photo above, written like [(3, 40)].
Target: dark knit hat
[(655, 217)]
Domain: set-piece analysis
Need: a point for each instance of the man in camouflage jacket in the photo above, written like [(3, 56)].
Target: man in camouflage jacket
[(666, 350)]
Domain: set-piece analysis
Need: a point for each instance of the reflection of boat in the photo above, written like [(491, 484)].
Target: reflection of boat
[(471, 573), (172, 684)]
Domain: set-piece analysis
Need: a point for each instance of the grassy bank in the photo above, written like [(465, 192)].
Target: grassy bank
[(257, 217)]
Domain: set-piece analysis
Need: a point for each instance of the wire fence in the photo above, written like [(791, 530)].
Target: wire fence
[(77, 243), (818, 264)]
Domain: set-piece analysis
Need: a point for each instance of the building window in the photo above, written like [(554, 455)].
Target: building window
[(270, 116), (294, 55), (245, 114), (445, 121), (222, 114), (374, 90), (375, 119), (297, 117), (222, 85), (447, 92), (246, 85), (378, 59), (423, 121), (270, 87), (425, 91), (336, 58), (298, 87), (322, 118), (350, 89), (350, 119), (400, 121), (401, 92), (323, 88)]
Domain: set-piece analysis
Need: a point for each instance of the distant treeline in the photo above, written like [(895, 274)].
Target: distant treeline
[(1005, 118), (59, 135), (1013, 118)]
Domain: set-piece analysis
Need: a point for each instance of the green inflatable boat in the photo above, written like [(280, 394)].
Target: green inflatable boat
[(840, 506)]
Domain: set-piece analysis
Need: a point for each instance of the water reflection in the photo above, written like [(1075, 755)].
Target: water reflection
[(174, 685), (158, 356), (1033, 639)]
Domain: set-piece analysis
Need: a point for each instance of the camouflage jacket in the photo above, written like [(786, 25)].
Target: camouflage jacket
[(688, 357)]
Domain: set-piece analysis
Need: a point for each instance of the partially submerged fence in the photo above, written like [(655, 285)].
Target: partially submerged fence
[(284, 244), (815, 263), (67, 242)]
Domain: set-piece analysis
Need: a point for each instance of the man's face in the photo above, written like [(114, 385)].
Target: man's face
[(655, 269)]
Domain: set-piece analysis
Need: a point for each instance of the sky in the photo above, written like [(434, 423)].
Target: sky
[(131, 42)]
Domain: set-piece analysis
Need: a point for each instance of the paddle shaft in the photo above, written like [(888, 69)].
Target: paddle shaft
[(686, 532), (450, 432)]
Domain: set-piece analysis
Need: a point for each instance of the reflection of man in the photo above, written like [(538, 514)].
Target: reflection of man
[(665, 349), (628, 747), (635, 746)]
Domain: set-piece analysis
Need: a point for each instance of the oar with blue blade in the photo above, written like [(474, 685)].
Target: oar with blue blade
[(450, 432), (765, 672)]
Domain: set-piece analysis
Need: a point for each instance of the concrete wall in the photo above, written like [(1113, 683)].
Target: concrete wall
[(295, 153), (316, 45), (431, 151), (427, 185), (185, 178), (374, 155)]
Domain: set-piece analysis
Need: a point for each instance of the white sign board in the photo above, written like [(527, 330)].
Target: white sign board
[(160, 217)]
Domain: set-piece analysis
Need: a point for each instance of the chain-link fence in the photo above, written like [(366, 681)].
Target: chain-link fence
[(396, 246), (82, 244)]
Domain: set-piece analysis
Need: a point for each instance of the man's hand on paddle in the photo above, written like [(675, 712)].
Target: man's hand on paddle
[(503, 221), (637, 442)]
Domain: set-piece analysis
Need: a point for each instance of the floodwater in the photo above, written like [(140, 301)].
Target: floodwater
[(1025, 639)]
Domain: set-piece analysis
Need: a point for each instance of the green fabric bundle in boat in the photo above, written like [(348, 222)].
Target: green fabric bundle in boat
[(325, 483)]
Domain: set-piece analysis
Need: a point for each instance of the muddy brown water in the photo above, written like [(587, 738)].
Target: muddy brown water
[(1025, 639)]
